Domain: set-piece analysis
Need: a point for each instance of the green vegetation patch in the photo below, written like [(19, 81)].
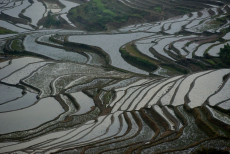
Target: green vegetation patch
[(183, 10), (214, 23), (16, 45), (102, 7), (173, 69), (158, 9), (51, 21), (133, 56), (6, 31), (225, 54), (108, 97), (101, 14)]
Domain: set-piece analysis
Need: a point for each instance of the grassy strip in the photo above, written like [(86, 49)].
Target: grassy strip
[(131, 54), (6, 31), (174, 68), (215, 62), (89, 48), (134, 57), (8, 51)]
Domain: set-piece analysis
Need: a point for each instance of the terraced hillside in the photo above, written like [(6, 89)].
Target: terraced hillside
[(105, 15), (154, 87), (183, 44), (90, 109), (26, 15)]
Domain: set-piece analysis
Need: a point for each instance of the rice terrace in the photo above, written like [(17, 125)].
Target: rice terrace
[(114, 76)]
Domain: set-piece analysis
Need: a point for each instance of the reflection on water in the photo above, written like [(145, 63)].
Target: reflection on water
[(8, 93)]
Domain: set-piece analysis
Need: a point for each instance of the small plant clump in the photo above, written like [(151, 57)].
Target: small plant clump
[(225, 54), (16, 45), (51, 20)]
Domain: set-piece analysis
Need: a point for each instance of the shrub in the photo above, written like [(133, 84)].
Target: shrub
[(51, 21), (225, 54)]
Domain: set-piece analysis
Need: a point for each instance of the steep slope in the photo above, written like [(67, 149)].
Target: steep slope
[(98, 15), (89, 109)]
